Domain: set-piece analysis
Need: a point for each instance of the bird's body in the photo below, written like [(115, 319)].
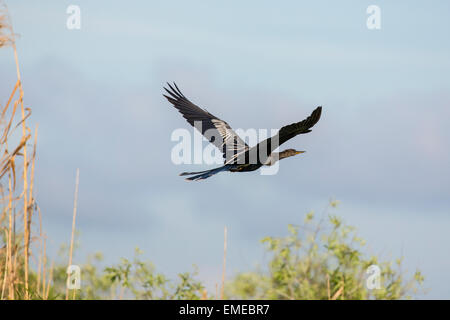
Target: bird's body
[(238, 156)]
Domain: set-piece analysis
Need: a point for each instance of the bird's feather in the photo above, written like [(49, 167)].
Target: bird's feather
[(291, 130), (217, 131), (266, 147)]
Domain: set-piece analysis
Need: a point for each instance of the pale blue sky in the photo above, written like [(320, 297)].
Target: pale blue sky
[(381, 147)]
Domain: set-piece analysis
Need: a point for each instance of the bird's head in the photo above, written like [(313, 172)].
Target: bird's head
[(289, 153)]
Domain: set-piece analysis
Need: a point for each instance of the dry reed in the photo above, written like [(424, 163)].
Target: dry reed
[(75, 200), (17, 173), (224, 262)]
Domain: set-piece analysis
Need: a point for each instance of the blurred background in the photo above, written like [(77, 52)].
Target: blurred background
[(381, 147)]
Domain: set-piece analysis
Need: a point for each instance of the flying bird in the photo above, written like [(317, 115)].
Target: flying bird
[(238, 156)]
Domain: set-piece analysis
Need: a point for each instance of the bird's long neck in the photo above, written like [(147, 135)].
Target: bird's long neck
[(276, 156)]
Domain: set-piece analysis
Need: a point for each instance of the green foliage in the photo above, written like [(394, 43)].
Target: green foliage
[(141, 280), (95, 283), (135, 279), (321, 261)]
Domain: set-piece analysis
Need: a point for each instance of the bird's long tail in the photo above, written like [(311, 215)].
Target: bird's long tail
[(200, 175)]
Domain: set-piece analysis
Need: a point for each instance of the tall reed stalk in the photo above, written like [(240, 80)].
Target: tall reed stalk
[(16, 181)]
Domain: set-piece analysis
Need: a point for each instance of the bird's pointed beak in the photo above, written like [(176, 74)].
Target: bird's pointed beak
[(298, 152)]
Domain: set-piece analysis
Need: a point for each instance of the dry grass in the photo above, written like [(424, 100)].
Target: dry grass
[(77, 182), (222, 287), (5, 38), (16, 185)]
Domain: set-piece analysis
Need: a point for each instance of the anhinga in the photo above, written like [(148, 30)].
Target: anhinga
[(239, 157)]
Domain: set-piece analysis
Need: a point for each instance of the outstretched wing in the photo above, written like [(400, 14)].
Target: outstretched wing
[(290, 131), (217, 131)]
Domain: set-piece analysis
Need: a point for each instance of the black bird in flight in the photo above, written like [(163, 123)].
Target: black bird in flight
[(238, 156)]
